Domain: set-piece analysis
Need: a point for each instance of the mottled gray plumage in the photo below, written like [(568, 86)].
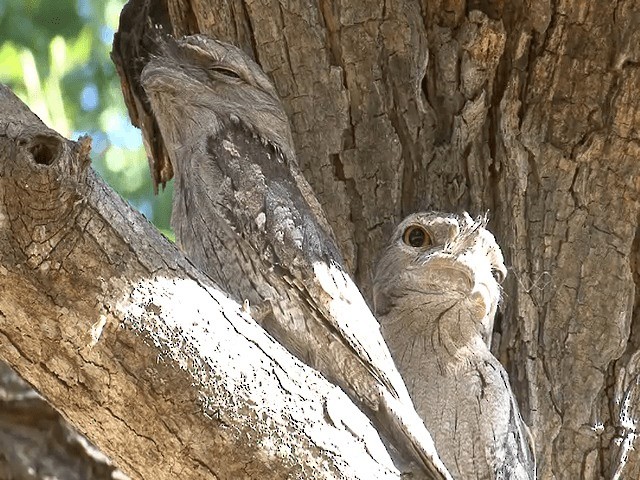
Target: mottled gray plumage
[(244, 213), (436, 291)]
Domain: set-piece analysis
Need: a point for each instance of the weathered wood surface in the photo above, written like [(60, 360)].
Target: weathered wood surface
[(144, 354)]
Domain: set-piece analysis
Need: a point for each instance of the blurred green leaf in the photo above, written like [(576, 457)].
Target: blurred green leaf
[(79, 49), (10, 66)]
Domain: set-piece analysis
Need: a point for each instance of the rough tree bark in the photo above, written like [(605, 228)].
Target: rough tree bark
[(527, 109)]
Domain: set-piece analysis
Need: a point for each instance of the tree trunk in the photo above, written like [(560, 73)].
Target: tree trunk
[(523, 109), (529, 110)]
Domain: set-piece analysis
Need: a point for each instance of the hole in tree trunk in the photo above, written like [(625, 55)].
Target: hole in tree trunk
[(44, 150)]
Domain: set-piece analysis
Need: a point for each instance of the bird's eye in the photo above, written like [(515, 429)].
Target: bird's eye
[(416, 236), (498, 275), (227, 72)]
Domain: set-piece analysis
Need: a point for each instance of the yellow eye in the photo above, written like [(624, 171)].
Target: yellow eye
[(416, 236)]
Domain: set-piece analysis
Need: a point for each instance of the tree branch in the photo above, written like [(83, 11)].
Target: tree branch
[(140, 350)]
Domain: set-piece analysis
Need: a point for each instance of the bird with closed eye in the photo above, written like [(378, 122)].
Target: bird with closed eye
[(436, 292)]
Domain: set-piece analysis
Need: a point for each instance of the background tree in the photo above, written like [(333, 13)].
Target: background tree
[(528, 110)]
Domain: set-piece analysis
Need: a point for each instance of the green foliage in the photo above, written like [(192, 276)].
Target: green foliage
[(55, 57)]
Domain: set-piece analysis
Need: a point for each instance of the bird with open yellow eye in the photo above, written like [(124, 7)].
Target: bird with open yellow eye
[(436, 292)]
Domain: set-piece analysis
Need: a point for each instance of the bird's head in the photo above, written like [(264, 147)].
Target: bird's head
[(196, 85), (440, 263)]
